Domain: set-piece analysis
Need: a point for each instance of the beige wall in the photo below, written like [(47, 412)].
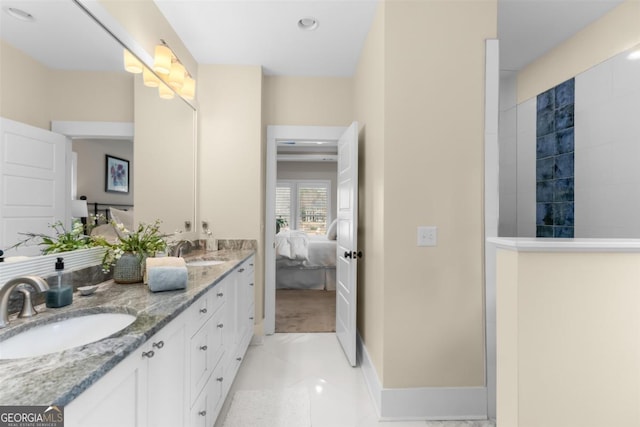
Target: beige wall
[(91, 96), (23, 88), (615, 32), (36, 95), (433, 163), (568, 348), (310, 101), (230, 153), (370, 113)]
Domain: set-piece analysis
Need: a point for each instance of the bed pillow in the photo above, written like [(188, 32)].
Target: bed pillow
[(122, 217), (332, 231)]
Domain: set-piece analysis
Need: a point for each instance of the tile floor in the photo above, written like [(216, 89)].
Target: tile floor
[(339, 396)]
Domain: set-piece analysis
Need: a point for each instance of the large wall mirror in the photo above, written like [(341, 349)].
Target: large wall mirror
[(60, 65)]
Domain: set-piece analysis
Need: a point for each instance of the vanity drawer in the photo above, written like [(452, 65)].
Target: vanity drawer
[(199, 312), (205, 349)]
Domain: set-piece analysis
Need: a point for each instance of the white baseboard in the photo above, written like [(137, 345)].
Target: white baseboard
[(422, 403)]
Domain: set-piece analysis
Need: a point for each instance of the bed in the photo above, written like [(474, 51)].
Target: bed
[(305, 262)]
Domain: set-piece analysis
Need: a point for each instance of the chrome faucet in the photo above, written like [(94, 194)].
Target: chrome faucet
[(38, 283), (181, 248)]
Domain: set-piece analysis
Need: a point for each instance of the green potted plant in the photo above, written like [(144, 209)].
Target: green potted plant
[(280, 222), (128, 253), (62, 240)]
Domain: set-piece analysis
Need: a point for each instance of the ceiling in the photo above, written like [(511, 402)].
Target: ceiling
[(265, 32)]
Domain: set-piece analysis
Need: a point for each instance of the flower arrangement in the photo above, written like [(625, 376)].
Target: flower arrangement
[(62, 240), (144, 241)]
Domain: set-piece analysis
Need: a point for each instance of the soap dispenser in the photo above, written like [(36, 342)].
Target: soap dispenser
[(59, 295)]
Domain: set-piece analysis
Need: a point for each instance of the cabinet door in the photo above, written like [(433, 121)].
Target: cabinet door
[(166, 376), (114, 400)]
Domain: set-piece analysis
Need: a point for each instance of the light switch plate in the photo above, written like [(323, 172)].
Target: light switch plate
[(427, 236)]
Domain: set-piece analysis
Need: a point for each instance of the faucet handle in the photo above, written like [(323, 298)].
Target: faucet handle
[(27, 305)]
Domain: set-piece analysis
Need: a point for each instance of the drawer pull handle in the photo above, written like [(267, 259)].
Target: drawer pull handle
[(239, 359), (219, 379), (220, 294), (202, 413), (251, 318), (241, 270), (148, 354), (203, 310), (250, 284), (251, 264), (203, 347), (158, 344), (220, 325)]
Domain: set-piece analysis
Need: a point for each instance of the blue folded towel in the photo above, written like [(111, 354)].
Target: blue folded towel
[(167, 278)]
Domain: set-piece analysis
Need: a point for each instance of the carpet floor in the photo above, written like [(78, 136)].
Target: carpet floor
[(305, 311)]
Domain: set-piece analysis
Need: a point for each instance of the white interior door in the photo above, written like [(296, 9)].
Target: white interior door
[(33, 182), (347, 247)]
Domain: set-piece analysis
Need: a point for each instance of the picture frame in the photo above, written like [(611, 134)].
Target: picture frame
[(116, 176)]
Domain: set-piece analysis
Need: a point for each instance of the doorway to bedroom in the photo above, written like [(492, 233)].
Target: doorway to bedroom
[(305, 240)]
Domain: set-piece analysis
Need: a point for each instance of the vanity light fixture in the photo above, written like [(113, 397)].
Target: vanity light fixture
[(168, 75), (635, 53)]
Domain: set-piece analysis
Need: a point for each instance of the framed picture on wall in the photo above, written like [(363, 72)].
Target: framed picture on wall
[(116, 175)]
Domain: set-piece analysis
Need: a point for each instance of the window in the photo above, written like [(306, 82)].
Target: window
[(304, 205)]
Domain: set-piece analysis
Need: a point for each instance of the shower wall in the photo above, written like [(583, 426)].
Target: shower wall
[(606, 132)]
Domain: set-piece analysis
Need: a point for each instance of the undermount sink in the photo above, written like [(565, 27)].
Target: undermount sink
[(205, 262), (63, 334)]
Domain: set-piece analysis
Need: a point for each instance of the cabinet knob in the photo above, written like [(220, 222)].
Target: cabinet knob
[(250, 284), (239, 359), (251, 318), (203, 347), (251, 264), (148, 354), (220, 325), (219, 294), (203, 310), (202, 413), (241, 270), (158, 344), (219, 379)]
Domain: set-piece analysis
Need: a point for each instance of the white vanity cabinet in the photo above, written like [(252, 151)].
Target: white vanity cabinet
[(181, 376)]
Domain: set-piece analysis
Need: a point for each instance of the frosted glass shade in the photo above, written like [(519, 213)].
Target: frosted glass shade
[(165, 91), (150, 79), (131, 63), (162, 60), (176, 76), (188, 90)]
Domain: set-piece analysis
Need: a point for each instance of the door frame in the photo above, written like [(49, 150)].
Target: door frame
[(275, 134)]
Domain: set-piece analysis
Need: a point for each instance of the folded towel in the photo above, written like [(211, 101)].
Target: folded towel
[(165, 261), (167, 278)]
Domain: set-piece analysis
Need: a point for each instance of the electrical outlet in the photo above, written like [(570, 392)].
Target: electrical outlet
[(427, 236)]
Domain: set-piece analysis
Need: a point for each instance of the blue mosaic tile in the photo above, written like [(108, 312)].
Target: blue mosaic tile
[(563, 214), (544, 213), (563, 190), (545, 191), (563, 232), (564, 166), (565, 93), (544, 231), (545, 168), (564, 117), (565, 141), (545, 100), (546, 146), (545, 121)]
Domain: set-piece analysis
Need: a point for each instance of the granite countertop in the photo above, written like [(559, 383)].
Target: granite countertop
[(58, 378)]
